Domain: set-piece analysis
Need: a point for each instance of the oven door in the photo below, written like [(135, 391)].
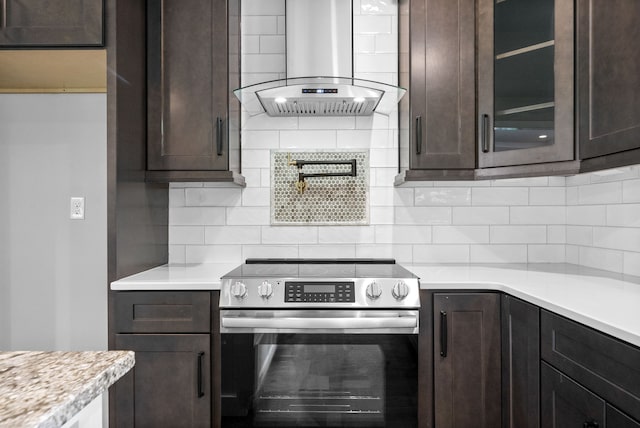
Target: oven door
[(319, 368)]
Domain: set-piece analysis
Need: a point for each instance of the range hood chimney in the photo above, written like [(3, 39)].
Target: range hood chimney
[(319, 80)]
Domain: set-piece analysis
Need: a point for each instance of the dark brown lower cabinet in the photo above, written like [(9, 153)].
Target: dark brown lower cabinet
[(617, 419), (520, 364), (467, 360), (566, 404), (170, 385)]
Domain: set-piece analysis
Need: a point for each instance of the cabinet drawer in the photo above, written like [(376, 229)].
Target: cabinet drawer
[(163, 312), (607, 366)]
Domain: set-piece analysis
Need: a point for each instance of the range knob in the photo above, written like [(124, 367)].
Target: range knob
[(374, 290), (400, 290), (265, 290), (239, 290)]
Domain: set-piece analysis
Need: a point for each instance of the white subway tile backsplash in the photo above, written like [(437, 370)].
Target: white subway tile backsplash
[(255, 158), (442, 196), (422, 215), (382, 215), (186, 234), (390, 196), (441, 253), (480, 215), (256, 196), (311, 139), (402, 253), (177, 254), (259, 25), (460, 234), (266, 63), (263, 7), (518, 234), (213, 197), (363, 139), (631, 263), (556, 234), (627, 215), (386, 43), (372, 24), (272, 44), (327, 122), (251, 44), (547, 196), (587, 215), (376, 7), (538, 215), (364, 43), (524, 182), (545, 253), (176, 198), (393, 234), (346, 234), (580, 235), (498, 253), (572, 254), (375, 63), (620, 238), (251, 177), (503, 196), (213, 254), (290, 235), (602, 193), (248, 216), (327, 251), (188, 216), (269, 251), (217, 235), (631, 191), (260, 139), (383, 158), (600, 258)]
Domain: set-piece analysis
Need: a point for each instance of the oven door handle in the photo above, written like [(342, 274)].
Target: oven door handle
[(324, 323)]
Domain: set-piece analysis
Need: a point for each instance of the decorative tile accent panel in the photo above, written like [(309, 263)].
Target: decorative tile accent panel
[(326, 200)]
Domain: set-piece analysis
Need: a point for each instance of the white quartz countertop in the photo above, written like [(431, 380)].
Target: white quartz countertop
[(605, 301), (46, 389)]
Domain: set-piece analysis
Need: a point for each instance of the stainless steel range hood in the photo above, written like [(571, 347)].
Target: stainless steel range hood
[(319, 49)]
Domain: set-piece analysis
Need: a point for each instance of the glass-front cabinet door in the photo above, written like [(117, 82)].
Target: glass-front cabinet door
[(525, 82)]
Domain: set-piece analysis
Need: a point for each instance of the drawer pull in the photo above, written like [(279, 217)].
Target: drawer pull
[(591, 424), (200, 380), (443, 334), (485, 133)]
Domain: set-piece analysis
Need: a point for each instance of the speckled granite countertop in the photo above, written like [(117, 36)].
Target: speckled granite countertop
[(46, 389)]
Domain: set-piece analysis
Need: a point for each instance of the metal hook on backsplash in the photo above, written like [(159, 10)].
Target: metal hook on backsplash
[(301, 184)]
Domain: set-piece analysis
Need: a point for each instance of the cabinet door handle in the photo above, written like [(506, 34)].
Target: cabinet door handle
[(443, 334), (485, 133), (591, 424), (200, 380), (418, 135), (219, 135)]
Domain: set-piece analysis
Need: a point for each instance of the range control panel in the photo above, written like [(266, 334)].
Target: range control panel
[(320, 291)]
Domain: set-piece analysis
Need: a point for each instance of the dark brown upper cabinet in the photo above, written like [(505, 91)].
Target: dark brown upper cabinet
[(51, 23), (438, 112), (189, 128), (525, 82), (608, 82)]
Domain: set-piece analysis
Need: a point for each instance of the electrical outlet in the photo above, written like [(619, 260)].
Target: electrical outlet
[(77, 208)]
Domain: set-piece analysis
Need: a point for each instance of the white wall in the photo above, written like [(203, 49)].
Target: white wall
[(53, 270)]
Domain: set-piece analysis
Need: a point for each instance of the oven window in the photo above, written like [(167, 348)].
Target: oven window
[(319, 380)]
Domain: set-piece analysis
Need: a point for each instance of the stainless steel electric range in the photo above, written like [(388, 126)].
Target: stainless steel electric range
[(322, 343)]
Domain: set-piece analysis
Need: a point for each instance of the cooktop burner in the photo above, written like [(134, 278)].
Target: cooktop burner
[(321, 283)]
